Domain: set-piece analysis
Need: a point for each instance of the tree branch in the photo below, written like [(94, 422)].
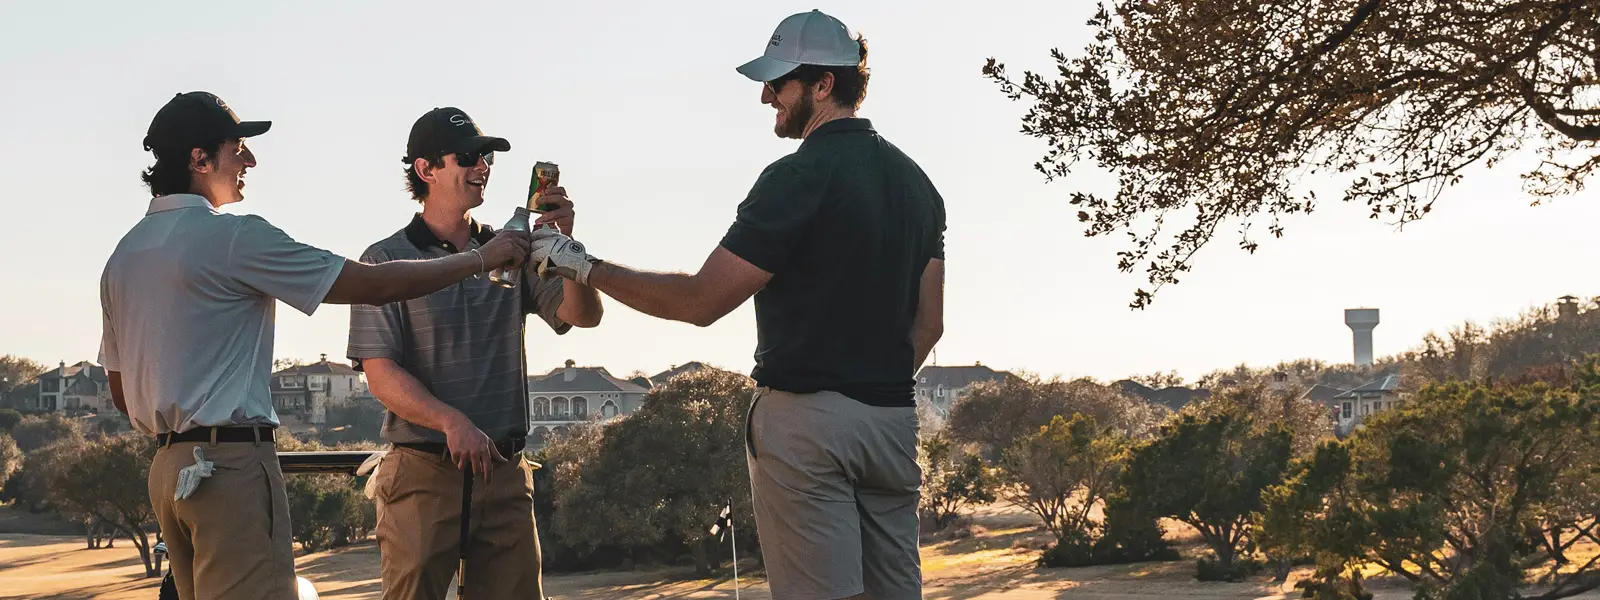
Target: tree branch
[(1548, 114)]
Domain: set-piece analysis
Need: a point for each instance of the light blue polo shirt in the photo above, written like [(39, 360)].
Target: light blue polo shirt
[(188, 300)]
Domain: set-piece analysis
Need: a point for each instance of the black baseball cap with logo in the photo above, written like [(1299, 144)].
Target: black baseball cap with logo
[(448, 130), (196, 118)]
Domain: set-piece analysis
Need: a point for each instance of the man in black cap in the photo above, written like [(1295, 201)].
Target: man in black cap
[(450, 368), (188, 300)]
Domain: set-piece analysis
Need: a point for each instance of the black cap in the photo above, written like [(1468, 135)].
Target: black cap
[(191, 119), (448, 130)]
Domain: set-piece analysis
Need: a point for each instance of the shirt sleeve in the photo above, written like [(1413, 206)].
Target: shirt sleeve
[(376, 331), (110, 358), (543, 296), (774, 217), (268, 261)]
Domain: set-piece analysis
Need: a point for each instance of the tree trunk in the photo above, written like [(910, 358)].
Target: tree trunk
[(702, 567), (1281, 570), (141, 540), (1224, 552)]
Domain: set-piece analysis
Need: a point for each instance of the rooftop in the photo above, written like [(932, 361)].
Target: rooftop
[(83, 368), (959, 376), (322, 367), (581, 379), (1381, 385)]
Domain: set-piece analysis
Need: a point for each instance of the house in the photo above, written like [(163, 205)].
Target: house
[(306, 392), (1365, 400), (940, 387), (1175, 397), (573, 394), (83, 387), (675, 371)]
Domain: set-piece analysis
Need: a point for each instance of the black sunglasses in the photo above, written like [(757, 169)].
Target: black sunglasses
[(469, 158)]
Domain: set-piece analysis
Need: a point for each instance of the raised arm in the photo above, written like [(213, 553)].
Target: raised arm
[(393, 281), (723, 283)]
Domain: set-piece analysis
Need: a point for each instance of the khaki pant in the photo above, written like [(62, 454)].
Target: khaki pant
[(419, 529), (230, 539), (835, 485)]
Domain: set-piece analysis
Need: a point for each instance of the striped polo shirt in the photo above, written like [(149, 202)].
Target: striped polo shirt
[(464, 343)]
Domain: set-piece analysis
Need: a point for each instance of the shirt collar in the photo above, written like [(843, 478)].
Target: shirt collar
[(418, 233), (841, 125), (177, 201)]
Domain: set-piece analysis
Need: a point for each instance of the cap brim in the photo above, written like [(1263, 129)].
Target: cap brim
[(480, 142), (251, 128), (766, 69)]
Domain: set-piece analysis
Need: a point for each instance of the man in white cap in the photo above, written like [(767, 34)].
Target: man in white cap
[(842, 245)]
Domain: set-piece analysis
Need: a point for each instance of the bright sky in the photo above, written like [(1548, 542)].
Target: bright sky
[(659, 139)]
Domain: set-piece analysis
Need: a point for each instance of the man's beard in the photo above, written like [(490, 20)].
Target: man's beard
[(794, 127)]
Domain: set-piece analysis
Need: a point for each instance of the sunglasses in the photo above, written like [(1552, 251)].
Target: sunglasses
[(469, 159)]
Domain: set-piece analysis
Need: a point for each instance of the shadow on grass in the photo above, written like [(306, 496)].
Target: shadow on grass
[(151, 584)]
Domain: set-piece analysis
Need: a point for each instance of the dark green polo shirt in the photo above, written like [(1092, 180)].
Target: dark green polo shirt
[(846, 225)]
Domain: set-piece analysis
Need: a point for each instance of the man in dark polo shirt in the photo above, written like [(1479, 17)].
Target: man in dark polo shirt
[(842, 245), (450, 368)]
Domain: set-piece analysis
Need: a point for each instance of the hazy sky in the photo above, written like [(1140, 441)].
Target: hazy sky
[(659, 139)]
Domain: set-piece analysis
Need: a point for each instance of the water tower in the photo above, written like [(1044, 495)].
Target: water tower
[(1362, 321)]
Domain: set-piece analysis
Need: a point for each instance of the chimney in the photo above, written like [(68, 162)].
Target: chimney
[(324, 357), (1361, 322), (1567, 307), (571, 363)]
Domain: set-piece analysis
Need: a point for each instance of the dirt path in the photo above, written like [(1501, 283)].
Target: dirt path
[(995, 563)]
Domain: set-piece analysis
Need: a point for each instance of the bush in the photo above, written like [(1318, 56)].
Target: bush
[(328, 511), (1131, 536), (9, 419), (953, 480), (1074, 551), (10, 458), (358, 421), (1212, 569), (29, 487), (1330, 585), (35, 432)]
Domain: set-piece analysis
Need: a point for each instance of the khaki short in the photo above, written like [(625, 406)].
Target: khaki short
[(229, 540), (835, 485)]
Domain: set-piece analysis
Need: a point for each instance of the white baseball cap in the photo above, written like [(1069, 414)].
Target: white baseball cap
[(811, 38)]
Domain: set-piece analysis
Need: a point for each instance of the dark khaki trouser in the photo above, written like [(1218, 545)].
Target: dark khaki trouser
[(230, 540), (419, 529)]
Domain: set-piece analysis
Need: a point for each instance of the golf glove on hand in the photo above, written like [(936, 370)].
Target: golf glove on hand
[(557, 254)]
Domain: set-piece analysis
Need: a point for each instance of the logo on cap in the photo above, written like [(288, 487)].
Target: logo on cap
[(776, 39), (459, 120)]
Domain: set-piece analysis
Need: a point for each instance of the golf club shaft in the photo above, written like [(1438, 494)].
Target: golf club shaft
[(466, 519)]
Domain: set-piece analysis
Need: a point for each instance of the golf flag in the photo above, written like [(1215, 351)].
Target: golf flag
[(724, 521)]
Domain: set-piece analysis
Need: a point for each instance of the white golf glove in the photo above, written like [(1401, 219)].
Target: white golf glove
[(557, 254), (189, 477)]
